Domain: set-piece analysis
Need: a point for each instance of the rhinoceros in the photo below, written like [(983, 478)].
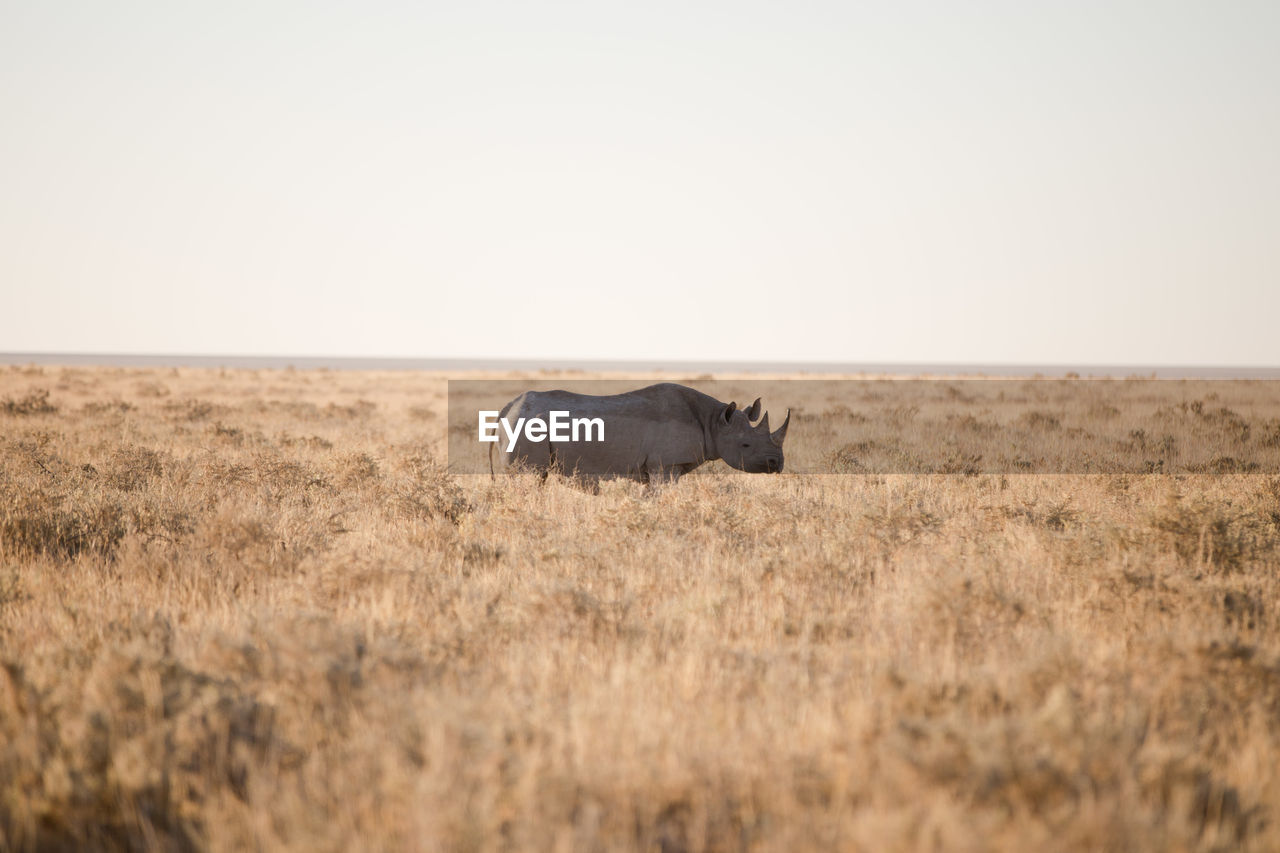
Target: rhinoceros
[(654, 435)]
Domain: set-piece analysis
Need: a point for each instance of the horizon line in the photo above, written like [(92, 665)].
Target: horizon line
[(437, 364)]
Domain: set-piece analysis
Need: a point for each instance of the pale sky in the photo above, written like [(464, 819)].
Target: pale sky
[(1058, 182)]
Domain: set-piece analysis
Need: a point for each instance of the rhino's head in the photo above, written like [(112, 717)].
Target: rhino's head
[(749, 448)]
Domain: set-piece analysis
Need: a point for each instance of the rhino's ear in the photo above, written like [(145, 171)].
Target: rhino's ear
[(728, 411), (781, 435), (753, 411)]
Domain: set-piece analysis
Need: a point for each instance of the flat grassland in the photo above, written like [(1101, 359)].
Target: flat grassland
[(251, 610)]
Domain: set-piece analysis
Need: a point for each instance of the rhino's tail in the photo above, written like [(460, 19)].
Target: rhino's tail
[(501, 415)]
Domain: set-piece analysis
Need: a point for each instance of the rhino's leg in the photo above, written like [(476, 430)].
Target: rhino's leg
[(533, 456), (553, 464)]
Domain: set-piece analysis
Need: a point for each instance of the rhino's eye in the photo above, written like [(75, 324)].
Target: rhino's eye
[(746, 445)]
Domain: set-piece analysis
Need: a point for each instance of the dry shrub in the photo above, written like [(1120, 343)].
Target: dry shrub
[(353, 470), (286, 478), (355, 411), (229, 434), (1224, 465), (249, 540), (287, 439), (109, 407), (972, 424), (422, 489), (39, 523), (194, 410), (130, 468), (1270, 433), (1043, 421), (1205, 418), (151, 390), (1215, 534), (849, 459), (34, 403), (1055, 515)]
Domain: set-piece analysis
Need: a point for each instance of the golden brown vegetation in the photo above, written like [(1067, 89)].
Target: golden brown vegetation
[(249, 609)]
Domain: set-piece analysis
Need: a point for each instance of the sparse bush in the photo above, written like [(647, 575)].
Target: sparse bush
[(1055, 515), (1270, 433), (958, 462), (1213, 534), (1224, 465), (1044, 421), (112, 407), (972, 424), (353, 470), (151, 390), (131, 467), (193, 410), (286, 478), (358, 409), (287, 439), (34, 403), (36, 523), (849, 459), (424, 490)]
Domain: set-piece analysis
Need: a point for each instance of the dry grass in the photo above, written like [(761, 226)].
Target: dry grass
[(249, 609)]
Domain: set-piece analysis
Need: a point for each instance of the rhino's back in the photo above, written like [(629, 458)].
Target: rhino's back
[(653, 425)]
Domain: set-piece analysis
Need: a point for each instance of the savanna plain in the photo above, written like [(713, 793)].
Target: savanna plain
[(252, 609)]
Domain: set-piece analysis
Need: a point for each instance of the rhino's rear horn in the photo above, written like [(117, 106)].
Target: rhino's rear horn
[(763, 426), (728, 411), (781, 435), (753, 411)]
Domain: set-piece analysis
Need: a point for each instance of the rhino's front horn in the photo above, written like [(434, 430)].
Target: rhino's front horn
[(781, 435)]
